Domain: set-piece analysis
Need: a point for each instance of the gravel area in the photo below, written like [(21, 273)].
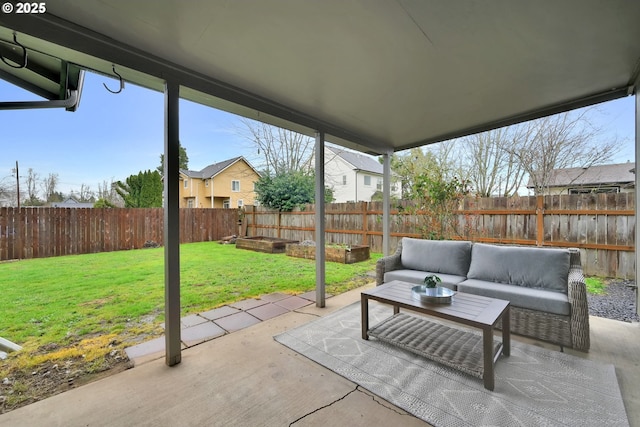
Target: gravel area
[(619, 303)]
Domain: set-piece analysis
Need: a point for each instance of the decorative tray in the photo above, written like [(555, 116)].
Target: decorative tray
[(437, 295)]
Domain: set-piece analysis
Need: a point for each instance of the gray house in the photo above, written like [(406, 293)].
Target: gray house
[(615, 178)]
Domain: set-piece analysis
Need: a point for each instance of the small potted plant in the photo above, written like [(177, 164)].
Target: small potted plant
[(431, 281)]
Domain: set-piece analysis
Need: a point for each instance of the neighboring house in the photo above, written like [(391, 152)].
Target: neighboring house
[(227, 184), (6, 200), (616, 178), (353, 176), (71, 202)]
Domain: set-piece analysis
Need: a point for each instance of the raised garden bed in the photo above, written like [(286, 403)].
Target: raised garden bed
[(270, 245), (337, 253)]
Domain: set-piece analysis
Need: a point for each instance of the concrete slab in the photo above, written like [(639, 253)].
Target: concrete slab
[(267, 311), (237, 321), (311, 296), (276, 296), (155, 345), (219, 312), (293, 303), (241, 379), (200, 333), (192, 320), (248, 304)]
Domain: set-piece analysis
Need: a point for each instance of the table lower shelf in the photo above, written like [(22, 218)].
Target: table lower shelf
[(456, 348)]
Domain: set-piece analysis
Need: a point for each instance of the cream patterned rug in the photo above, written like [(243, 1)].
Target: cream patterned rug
[(533, 387)]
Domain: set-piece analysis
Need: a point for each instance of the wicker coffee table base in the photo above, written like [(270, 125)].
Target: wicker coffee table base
[(456, 348)]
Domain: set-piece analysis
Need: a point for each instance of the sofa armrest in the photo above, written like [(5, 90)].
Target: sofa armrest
[(388, 263), (577, 293)]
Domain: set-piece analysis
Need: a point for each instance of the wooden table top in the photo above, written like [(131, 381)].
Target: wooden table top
[(474, 310)]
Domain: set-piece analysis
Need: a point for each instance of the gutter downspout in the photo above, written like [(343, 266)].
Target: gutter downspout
[(70, 102)]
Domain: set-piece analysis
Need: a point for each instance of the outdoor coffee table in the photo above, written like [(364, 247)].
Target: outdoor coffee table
[(440, 341)]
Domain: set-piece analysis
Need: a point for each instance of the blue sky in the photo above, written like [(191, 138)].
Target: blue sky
[(113, 136), (110, 136)]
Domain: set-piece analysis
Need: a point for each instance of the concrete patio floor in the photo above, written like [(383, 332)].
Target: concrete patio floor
[(246, 378)]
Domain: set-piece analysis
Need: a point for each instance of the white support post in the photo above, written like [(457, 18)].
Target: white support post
[(171, 225), (319, 220), (386, 208)]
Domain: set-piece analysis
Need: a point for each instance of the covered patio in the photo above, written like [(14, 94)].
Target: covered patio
[(376, 76), (247, 379)]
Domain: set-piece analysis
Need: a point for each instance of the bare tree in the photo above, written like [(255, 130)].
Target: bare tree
[(7, 191), (492, 164), (86, 195), (562, 141), (409, 164), (49, 185), (278, 150), (32, 183), (107, 191)]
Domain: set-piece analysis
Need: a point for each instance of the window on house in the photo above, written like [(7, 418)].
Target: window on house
[(226, 204), (593, 190), (344, 179), (379, 185), (206, 182), (240, 203), (367, 180), (235, 185), (189, 203), (186, 183)]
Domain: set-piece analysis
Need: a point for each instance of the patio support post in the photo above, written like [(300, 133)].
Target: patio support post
[(386, 202), (171, 225), (636, 92), (319, 220)]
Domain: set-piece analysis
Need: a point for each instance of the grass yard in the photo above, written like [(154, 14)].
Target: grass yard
[(65, 298), (74, 315)]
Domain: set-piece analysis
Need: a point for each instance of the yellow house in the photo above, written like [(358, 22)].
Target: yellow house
[(227, 184)]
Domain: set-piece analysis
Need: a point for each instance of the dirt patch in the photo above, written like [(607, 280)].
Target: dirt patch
[(35, 374), (23, 386)]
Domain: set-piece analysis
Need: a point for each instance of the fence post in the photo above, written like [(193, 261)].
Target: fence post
[(365, 225), (539, 220), (278, 223)]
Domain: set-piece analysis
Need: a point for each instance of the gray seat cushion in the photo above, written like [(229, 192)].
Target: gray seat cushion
[(519, 296), (539, 268), (437, 256), (417, 277)]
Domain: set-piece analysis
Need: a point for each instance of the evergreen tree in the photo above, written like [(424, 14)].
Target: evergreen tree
[(289, 190), (184, 161), (143, 190)]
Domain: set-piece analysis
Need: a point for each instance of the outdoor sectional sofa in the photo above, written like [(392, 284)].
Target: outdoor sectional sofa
[(545, 286)]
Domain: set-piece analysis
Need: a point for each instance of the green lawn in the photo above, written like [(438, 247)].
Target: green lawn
[(595, 285), (67, 299)]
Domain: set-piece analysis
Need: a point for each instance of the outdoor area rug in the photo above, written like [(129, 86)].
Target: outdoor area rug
[(533, 387)]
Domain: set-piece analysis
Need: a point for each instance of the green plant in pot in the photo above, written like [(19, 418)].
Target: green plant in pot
[(431, 281)]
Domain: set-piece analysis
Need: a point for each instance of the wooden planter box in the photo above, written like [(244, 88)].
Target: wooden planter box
[(331, 253), (270, 245)]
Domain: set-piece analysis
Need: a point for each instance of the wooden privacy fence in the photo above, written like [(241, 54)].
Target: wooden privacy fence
[(46, 232), (601, 225)]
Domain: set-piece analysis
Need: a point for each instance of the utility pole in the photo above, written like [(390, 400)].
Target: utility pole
[(18, 184)]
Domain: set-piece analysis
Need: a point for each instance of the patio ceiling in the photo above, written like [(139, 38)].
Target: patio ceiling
[(374, 75)]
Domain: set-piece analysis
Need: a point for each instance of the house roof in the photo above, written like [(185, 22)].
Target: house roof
[(358, 161), (376, 76), (215, 168), (621, 173)]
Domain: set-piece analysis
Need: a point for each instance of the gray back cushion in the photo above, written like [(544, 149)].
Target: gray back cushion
[(540, 268), (436, 256)]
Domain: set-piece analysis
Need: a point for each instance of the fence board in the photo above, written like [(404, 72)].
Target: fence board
[(47, 232), (602, 225)]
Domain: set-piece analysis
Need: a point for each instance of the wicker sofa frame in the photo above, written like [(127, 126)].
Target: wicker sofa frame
[(571, 331)]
